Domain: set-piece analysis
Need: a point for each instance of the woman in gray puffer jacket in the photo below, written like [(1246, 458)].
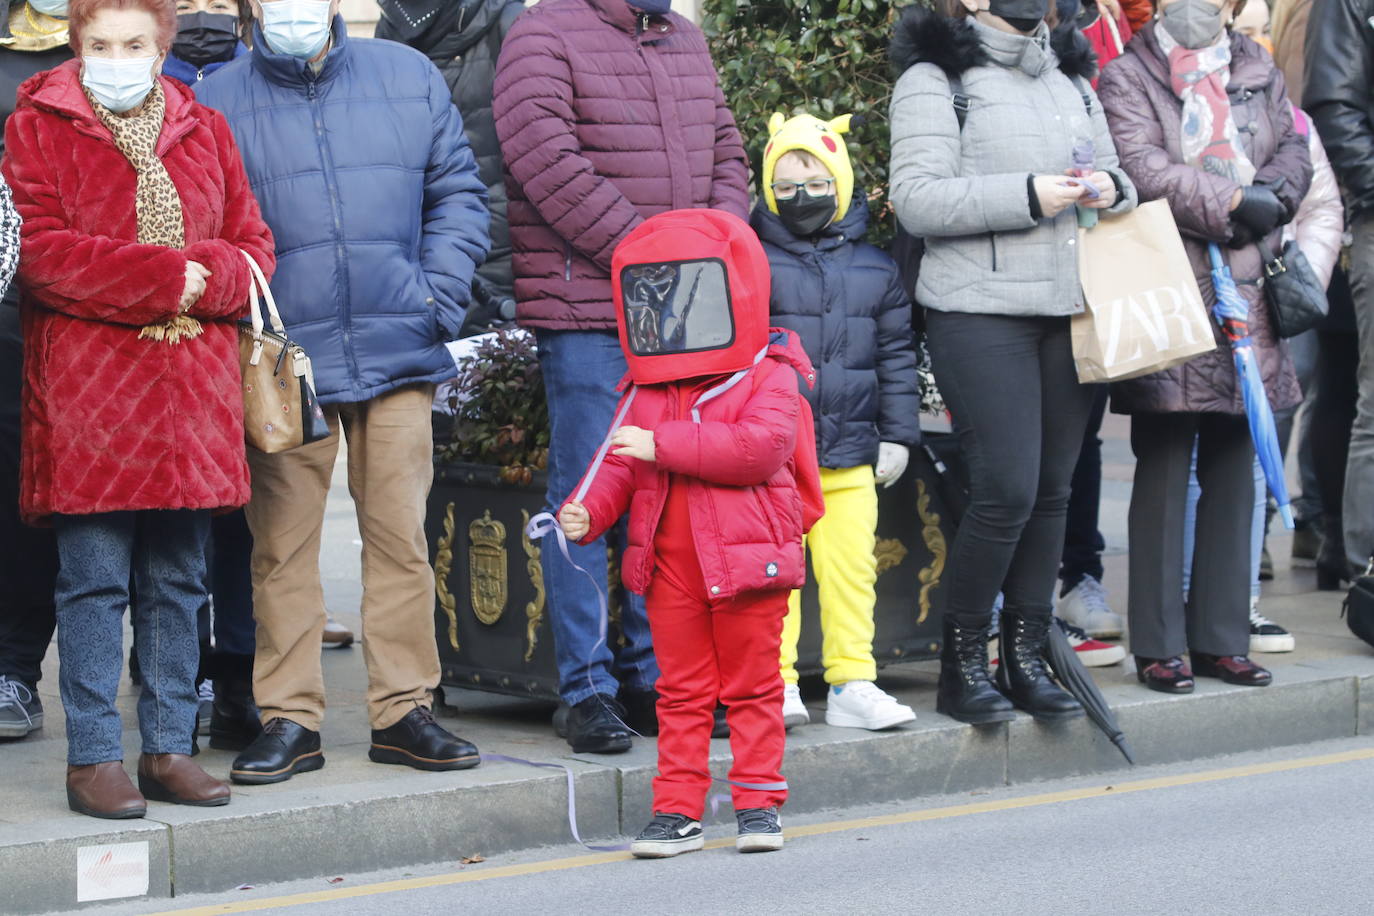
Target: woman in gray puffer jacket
[(1236, 191), (985, 119)]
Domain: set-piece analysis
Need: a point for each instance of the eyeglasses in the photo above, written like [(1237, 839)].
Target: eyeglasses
[(815, 187)]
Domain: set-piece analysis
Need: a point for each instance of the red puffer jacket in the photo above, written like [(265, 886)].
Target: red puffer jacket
[(605, 118), (749, 464), (113, 422)]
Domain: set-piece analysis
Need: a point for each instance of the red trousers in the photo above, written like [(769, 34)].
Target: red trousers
[(724, 651)]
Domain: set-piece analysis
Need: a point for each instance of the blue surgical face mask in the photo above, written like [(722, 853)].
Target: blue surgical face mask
[(55, 8), (118, 84), (298, 28)]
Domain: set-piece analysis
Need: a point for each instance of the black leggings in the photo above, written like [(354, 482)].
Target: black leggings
[(1020, 414), (1332, 415)]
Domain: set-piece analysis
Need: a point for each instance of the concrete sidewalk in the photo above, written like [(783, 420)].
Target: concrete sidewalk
[(355, 816)]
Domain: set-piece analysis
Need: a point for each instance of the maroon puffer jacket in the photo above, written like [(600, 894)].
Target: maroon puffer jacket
[(1144, 115), (605, 118)]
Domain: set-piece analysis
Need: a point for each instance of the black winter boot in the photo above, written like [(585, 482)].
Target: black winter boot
[(234, 722), (1021, 673), (966, 691)]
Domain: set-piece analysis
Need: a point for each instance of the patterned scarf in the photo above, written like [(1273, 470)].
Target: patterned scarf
[(157, 202), (1199, 78)]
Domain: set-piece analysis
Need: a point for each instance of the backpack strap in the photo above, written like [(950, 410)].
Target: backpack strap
[(962, 103)]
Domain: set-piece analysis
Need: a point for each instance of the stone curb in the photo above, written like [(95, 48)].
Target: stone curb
[(357, 828)]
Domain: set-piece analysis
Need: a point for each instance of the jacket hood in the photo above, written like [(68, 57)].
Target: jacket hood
[(454, 27), (852, 227), (59, 91), (958, 45), (690, 290), (785, 346)]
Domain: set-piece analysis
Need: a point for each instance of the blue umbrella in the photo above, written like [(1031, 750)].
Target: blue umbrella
[(1233, 314)]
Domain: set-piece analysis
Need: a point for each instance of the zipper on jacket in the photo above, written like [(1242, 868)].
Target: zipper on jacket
[(336, 210), (992, 237), (567, 262)]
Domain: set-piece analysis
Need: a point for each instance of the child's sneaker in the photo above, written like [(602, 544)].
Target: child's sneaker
[(860, 704), (1265, 635), (668, 835), (760, 830), (1093, 653), (794, 711)]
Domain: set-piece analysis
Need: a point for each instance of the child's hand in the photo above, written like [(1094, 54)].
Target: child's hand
[(575, 520), (633, 442)]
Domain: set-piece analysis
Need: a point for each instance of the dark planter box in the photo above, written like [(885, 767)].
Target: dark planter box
[(491, 617)]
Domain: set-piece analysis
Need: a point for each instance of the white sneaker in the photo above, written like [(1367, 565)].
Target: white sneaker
[(1267, 636), (793, 709), (1093, 653), (1085, 606), (860, 704)]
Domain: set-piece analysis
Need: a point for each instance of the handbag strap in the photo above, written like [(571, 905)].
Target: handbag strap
[(259, 288)]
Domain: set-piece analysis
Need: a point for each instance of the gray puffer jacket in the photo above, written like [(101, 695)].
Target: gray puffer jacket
[(965, 191)]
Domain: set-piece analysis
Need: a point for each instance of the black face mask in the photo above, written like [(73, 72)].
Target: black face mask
[(1024, 15), (206, 38), (805, 215)]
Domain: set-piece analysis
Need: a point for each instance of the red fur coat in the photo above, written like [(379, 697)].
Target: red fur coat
[(110, 421)]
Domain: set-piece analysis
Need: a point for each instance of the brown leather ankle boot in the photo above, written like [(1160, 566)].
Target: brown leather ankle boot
[(174, 778), (104, 790)]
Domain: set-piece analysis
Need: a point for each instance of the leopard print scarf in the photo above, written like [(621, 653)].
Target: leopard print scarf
[(157, 202)]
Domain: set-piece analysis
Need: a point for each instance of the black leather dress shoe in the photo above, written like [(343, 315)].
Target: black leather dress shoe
[(420, 742), (596, 726), (1233, 669), (280, 752), (1167, 675)]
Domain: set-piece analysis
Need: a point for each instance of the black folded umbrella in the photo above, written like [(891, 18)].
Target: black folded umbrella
[(1070, 673)]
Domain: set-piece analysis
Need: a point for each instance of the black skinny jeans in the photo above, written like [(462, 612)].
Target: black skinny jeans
[(1020, 414)]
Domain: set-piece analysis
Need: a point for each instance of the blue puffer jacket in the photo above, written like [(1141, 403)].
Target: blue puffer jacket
[(844, 299), (365, 176)]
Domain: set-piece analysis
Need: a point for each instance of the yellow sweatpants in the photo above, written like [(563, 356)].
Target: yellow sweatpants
[(841, 546)]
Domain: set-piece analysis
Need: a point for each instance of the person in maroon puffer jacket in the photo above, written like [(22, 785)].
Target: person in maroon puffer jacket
[(608, 113), (713, 455)]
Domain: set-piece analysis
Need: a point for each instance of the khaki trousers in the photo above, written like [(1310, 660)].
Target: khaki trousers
[(390, 469)]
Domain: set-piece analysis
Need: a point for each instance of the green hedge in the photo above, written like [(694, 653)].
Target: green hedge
[(827, 58)]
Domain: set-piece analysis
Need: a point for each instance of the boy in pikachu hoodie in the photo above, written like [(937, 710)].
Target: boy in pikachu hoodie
[(713, 455), (845, 300)]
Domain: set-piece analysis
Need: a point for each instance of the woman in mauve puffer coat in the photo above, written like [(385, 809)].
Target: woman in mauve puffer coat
[(1257, 171), (133, 280)]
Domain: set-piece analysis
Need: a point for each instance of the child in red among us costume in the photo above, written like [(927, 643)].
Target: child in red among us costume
[(713, 454)]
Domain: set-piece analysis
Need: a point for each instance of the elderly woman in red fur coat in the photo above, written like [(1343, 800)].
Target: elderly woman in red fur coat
[(135, 208)]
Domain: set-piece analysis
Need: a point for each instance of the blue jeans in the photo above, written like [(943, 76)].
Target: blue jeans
[(1256, 526), (581, 371), (164, 551)]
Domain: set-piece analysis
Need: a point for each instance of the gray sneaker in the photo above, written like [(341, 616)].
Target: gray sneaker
[(760, 830), (667, 835), (21, 712)]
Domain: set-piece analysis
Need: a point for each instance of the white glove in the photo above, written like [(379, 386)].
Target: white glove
[(892, 459)]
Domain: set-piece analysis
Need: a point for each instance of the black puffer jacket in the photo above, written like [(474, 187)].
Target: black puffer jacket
[(1339, 94), (845, 300), (464, 41)]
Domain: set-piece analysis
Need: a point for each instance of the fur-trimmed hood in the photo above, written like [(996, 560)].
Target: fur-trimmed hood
[(954, 45)]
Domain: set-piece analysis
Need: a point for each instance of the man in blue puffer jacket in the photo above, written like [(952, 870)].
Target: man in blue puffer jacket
[(358, 159)]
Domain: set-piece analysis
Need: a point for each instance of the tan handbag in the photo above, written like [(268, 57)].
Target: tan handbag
[(280, 410), (1144, 311)]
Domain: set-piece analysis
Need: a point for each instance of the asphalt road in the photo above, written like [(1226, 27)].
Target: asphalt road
[(1286, 831)]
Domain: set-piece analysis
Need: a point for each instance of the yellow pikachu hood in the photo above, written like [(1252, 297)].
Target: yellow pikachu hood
[(819, 138)]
